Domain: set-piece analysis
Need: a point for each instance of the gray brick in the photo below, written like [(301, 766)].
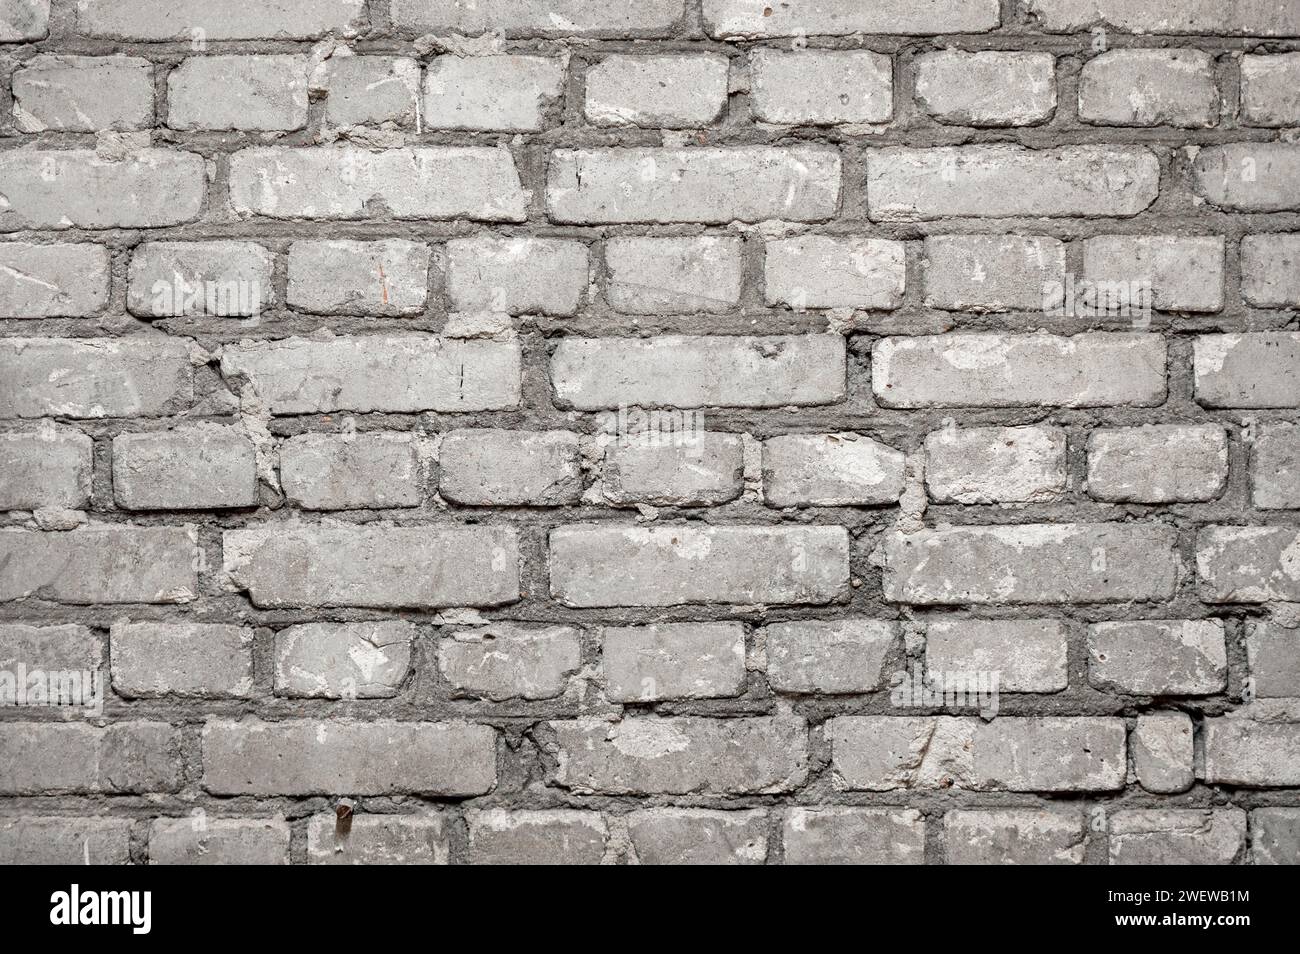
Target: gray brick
[(63, 647), (672, 276), (1275, 466), (1270, 90), (854, 836), (344, 182), (698, 836), (1248, 564), (52, 281), (997, 181), (1090, 563), (689, 372), (704, 471), (1186, 16), (1251, 754), (1149, 88), (199, 660), (735, 19), (830, 470), (600, 565), (711, 185), (1177, 836), (982, 465), (516, 275), (83, 93), (1172, 272), (1094, 369), (1158, 657), (400, 373), (661, 92), (821, 87), (50, 467), (373, 469), (264, 92), (1014, 836), (676, 756), (49, 758), (1270, 270), (538, 17), (1275, 836), (1163, 752), (338, 757), (35, 840), (1029, 655), (1248, 370), (75, 188), (219, 841), (504, 467), (555, 837), (226, 279), (379, 839), (24, 20), (987, 88), (1274, 655), (828, 656), (822, 271), (673, 661), (1158, 463), (483, 93), (1249, 176), (197, 466), (307, 565), (217, 19), (388, 277), (508, 661), (343, 660), (372, 90), (91, 565), (992, 272)]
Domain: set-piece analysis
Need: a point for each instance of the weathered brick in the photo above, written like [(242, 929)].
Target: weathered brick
[(343, 660), (264, 92), (1158, 463), (1248, 370), (1251, 754), (673, 661), (1095, 369), (555, 837), (508, 661), (516, 275), (1158, 657), (1270, 270), (671, 276), (311, 757), (1149, 88), (597, 565), (309, 565), (737, 19), (24, 20), (50, 467), (504, 467), (689, 372), (76, 188), (711, 185), (484, 93), (821, 87), (662, 92), (822, 271), (379, 839), (49, 758), (1192, 16), (1170, 272), (1163, 751), (225, 279), (373, 469), (704, 471), (1047, 754), (1029, 655), (1275, 466), (35, 840), (986, 88), (219, 841), (698, 836), (1270, 90), (388, 277), (1273, 652), (218, 19), (400, 373), (676, 756), (201, 660), (197, 466), (981, 465), (372, 89), (1248, 564), (1014, 836), (52, 281), (992, 272), (1275, 836), (1249, 176), (83, 93), (1089, 563), (995, 181), (91, 565), (830, 470), (538, 17), (50, 648), (828, 656), (1177, 836), (853, 836), (344, 182)]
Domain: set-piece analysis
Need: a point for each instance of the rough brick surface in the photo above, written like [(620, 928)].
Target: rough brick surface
[(650, 431)]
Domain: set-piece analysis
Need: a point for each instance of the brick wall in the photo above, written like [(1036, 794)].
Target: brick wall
[(586, 431)]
